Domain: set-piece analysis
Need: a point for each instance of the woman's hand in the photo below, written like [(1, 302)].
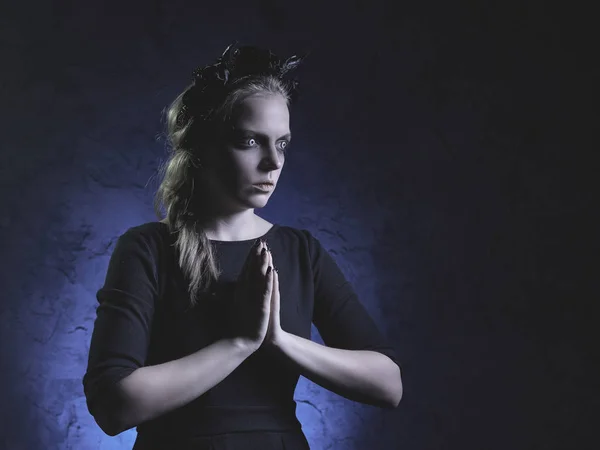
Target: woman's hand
[(252, 299), (274, 330)]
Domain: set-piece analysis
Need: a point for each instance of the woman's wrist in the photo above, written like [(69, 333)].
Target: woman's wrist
[(244, 345)]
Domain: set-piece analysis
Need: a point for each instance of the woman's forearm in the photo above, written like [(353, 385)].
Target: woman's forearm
[(364, 376), (152, 391)]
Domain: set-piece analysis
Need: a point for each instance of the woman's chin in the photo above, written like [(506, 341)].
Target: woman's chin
[(255, 201), (258, 195), (259, 202)]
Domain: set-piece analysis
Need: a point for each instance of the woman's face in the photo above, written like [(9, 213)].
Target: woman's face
[(253, 152)]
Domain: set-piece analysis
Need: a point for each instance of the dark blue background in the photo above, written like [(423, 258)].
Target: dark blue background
[(442, 152)]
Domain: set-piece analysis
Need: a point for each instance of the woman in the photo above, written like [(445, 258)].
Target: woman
[(199, 342)]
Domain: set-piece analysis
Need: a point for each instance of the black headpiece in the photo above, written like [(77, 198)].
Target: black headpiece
[(214, 81)]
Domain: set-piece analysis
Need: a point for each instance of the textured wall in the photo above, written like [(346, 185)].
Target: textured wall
[(437, 154)]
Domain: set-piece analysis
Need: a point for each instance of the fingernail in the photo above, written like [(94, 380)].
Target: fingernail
[(269, 270)]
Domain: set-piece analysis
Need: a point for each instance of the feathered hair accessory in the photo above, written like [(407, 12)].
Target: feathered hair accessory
[(214, 81)]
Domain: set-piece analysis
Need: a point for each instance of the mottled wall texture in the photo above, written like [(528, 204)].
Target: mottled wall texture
[(440, 154)]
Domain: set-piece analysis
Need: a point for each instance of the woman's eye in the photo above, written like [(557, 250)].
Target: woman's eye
[(251, 142), (245, 142)]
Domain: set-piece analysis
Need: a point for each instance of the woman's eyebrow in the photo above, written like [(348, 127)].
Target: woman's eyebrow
[(247, 131)]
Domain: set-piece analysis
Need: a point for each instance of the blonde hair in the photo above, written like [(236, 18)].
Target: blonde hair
[(177, 193)]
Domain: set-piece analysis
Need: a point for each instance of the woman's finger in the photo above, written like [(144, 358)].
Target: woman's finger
[(264, 260), (276, 294), (250, 263), (269, 286), (258, 267)]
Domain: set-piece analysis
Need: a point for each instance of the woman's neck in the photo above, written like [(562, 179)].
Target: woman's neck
[(235, 228)]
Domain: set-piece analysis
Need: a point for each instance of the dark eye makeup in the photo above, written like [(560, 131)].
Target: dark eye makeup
[(241, 138)]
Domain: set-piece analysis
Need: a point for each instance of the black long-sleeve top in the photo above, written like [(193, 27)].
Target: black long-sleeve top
[(143, 318)]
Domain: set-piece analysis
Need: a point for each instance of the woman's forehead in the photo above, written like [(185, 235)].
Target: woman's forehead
[(263, 114)]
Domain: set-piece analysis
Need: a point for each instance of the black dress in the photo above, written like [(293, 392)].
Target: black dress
[(143, 318)]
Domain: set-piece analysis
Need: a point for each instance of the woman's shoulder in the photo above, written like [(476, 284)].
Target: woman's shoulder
[(148, 228), (152, 234), (296, 236)]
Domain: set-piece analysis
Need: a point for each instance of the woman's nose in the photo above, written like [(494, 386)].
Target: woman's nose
[(272, 158)]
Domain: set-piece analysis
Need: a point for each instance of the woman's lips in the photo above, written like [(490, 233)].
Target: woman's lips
[(264, 186)]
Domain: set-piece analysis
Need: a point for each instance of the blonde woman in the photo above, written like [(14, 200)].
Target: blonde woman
[(204, 320)]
